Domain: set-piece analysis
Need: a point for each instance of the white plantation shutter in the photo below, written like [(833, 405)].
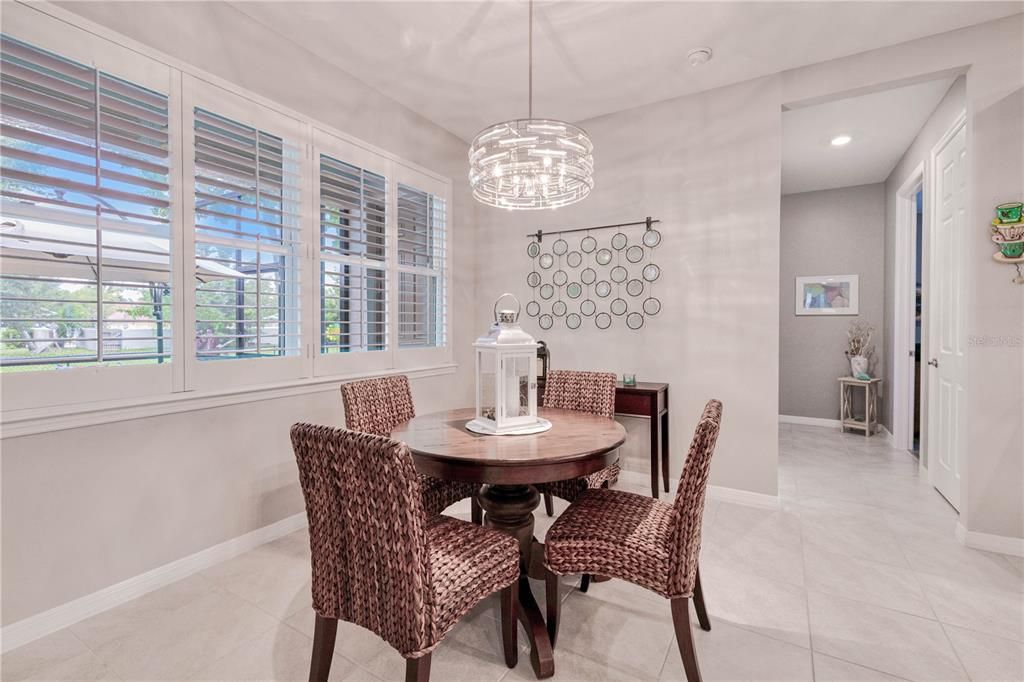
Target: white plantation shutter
[(85, 215), (353, 258), (247, 227), (421, 264)]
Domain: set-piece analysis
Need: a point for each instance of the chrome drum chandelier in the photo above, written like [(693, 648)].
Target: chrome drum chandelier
[(531, 163)]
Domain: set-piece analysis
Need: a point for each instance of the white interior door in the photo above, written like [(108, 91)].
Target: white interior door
[(947, 364)]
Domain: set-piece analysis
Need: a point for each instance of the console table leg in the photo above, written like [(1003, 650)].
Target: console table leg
[(664, 450)]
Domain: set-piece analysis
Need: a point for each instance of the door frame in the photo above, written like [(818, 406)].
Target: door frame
[(959, 123), (903, 307)]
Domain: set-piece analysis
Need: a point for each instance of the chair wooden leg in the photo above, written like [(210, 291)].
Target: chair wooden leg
[(476, 511), (510, 625), (698, 604), (549, 504), (684, 638), (324, 634), (554, 605), (417, 669), (585, 583)]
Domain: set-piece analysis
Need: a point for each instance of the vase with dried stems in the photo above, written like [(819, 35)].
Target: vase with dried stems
[(859, 349)]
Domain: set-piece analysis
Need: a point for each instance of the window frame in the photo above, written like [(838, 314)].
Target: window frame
[(51, 387), (432, 355), (211, 374), (327, 364), (129, 392)]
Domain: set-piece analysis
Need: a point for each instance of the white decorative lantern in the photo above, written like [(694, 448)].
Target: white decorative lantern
[(506, 378)]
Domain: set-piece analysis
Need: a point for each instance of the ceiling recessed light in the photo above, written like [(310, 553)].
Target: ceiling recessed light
[(701, 55), (840, 140)]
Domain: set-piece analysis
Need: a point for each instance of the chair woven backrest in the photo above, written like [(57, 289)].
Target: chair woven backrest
[(688, 507), (378, 405), (366, 532), (592, 392)]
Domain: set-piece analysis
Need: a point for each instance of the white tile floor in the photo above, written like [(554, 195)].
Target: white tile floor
[(857, 577)]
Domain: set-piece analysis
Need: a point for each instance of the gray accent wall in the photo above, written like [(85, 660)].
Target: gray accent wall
[(829, 232)]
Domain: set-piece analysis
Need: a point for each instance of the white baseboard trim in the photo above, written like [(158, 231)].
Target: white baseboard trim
[(733, 495), (808, 421), (59, 617), (744, 497), (1002, 544)]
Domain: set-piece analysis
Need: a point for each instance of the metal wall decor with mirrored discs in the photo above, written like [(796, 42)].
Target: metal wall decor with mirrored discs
[(580, 282)]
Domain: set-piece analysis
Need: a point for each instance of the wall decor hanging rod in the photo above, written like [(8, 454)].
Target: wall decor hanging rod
[(539, 234)]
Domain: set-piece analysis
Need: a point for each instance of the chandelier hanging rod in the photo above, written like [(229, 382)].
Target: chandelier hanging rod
[(539, 234)]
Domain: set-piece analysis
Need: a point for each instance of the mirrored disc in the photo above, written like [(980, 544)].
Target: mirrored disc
[(619, 241), (604, 257), (573, 321), (532, 249), (533, 279), (588, 307), (652, 306), (559, 278), (545, 321), (574, 290), (558, 308), (619, 274), (634, 320), (533, 309), (652, 272), (603, 320), (602, 289), (635, 254), (618, 306), (546, 260), (574, 259), (588, 276), (547, 291), (588, 244), (559, 247), (652, 238), (635, 287)]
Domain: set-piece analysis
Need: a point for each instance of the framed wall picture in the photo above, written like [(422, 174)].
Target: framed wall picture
[(827, 295)]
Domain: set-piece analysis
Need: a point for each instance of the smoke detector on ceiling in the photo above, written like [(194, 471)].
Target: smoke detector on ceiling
[(701, 55)]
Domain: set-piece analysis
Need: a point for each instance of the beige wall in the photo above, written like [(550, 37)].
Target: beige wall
[(85, 508), (830, 232), (708, 166)]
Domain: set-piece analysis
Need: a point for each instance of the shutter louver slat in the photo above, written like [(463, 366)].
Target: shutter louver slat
[(353, 275), (85, 243)]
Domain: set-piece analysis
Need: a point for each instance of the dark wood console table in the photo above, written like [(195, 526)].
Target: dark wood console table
[(649, 400)]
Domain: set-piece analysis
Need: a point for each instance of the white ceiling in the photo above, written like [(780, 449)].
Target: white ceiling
[(882, 125), (463, 64)]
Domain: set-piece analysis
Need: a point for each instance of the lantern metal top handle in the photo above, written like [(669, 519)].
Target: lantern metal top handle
[(519, 307)]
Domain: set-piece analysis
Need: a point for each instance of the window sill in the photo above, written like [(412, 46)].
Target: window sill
[(18, 423)]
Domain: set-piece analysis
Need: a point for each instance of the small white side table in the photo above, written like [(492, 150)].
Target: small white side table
[(846, 416)]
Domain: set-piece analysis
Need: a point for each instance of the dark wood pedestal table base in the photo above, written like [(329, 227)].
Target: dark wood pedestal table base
[(507, 467)]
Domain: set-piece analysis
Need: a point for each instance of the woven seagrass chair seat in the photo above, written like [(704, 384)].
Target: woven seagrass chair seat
[(650, 543), (381, 562), (377, 406), (613, 533), (467, 563), (592, 392)]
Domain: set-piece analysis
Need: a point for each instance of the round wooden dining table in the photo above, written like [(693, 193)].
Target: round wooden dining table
[(508, 468)]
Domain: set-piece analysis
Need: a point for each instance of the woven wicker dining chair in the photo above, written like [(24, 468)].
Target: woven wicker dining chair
[(381, 562), (379, 405), (636, 538), (592, 392)]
